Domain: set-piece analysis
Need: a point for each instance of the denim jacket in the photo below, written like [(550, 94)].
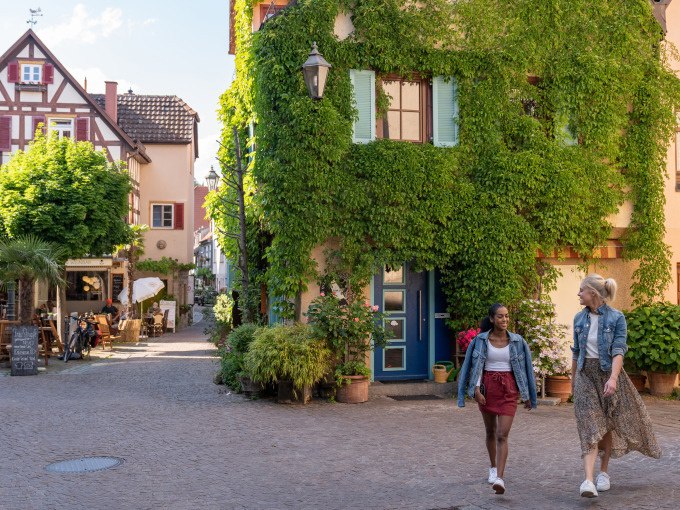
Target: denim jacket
[(611, 335), (520, 362)]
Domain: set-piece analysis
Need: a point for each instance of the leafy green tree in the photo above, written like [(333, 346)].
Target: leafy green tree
[(28, 259), (132, 251), (65, 192)]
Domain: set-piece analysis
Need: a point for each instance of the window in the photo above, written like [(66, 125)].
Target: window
[(162, 216), (64, 127), (406, 117), (363, 86), (31, 73), (269, 11), (86, 285)]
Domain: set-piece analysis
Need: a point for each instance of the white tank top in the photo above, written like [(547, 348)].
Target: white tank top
[(497, 360), (592, 350)]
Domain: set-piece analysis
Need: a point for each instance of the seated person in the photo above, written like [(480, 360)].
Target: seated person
[(110, 309), (155, 309)]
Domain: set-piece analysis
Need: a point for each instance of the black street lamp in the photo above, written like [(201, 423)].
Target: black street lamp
[(212, 179), (315, 70)]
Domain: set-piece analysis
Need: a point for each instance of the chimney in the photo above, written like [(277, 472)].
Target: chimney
[(111, 100)]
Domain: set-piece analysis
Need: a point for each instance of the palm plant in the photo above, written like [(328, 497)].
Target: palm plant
[(29, 259)]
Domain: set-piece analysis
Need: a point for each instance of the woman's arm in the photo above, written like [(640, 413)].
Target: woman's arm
[(610, 385), (464, 375)]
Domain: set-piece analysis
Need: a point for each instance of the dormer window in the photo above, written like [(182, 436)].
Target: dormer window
[(31, 73)]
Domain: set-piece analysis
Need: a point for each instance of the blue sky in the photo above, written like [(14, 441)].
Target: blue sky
[(153, 46)]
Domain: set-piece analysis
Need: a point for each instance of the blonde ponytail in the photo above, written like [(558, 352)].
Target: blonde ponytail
[(610, 288), (606, 289)]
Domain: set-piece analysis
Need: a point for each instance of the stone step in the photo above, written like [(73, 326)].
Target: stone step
[(399, 388)]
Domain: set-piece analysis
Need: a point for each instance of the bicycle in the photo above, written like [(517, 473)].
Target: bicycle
[(81, 338)]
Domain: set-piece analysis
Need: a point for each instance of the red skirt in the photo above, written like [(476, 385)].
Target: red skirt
[(501, 393)]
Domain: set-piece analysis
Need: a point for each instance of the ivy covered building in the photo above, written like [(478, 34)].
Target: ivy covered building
[(464, 153)]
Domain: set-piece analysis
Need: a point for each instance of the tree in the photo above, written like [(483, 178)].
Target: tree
[(132, 251), (66, 193), (28, 259)]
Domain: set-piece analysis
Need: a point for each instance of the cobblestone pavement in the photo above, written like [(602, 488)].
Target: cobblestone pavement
[(189, 444)]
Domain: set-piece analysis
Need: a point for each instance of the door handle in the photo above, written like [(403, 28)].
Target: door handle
[(420, 315)]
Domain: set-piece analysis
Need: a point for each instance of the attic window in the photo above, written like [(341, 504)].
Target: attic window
[(31, 73)]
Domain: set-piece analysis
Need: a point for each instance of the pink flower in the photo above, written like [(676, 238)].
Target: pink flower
[(367, 303), (356, 319), (374, 308), (323, 294)]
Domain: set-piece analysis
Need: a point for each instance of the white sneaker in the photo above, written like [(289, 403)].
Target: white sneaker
[(499, 486), (588, 489), (493, 474), (603, 482)]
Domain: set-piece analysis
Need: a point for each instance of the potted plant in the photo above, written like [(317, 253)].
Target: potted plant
[(550, 354), (654, 344), (232, 354), (290, 355), (351, 331), (636, 377)]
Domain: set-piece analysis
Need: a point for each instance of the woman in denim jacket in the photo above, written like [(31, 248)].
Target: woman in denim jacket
[(497, 370), (610, 416)]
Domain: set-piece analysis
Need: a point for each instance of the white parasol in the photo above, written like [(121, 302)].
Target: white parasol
[(143, 288)]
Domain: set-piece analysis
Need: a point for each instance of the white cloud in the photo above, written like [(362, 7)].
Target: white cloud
[(83, 27), (96, 78)]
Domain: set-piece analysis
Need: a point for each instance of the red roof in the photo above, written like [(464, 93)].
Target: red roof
[(199, 210)]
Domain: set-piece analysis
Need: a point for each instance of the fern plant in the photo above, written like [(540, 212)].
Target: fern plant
[(288, 352)]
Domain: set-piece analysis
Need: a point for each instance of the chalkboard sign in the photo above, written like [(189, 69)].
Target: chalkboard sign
[(24, 350), (116, 285)]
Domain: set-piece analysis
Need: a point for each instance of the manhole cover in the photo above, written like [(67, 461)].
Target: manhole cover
[(415, 397), (84, 465)]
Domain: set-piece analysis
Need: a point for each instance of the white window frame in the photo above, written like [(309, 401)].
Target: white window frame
[(163, 218), (61, 129), (31, 73)]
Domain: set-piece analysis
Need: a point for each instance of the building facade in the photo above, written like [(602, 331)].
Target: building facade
[(155, 136)]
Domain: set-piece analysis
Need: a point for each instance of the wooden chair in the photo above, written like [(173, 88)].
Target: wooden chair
[(6, 338), (55, 336), (44, 347), (105, 330), (157, 327)]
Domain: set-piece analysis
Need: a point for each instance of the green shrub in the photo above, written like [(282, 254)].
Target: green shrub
[(232, 355), (654, 337), (223, 309), (285, 352)]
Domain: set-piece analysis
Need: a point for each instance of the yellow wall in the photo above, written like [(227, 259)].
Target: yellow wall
[(168, 178)]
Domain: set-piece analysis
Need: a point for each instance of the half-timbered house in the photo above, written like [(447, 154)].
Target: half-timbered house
[(155, 136)]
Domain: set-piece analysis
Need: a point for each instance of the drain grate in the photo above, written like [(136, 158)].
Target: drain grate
[(84, 465), (415, 397)]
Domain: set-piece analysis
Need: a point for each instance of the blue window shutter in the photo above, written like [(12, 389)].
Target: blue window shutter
[(444, 112), (363, 86)]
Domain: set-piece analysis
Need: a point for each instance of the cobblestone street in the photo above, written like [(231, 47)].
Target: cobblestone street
[(188, 443)]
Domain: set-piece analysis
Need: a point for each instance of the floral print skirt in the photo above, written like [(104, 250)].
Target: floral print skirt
[(624, 413)]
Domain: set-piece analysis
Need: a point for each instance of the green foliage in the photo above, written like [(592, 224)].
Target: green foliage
[(511, 187), (67, 193), (165, 265), (350, 368), (223, 309), (536, 322), (284, 352), (232, 355), (29, 259), (350, 330), (654, 337)]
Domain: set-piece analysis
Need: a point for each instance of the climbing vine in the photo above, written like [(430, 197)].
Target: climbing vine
[(527, 72)]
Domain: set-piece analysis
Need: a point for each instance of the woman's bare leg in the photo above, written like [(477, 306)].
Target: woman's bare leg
[(502, 433), (606, 445), (490, 426)]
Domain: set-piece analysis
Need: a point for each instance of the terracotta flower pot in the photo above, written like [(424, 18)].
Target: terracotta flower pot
[(558, 386), (250, 388), (660, 384), (638, 381), (355, 392)]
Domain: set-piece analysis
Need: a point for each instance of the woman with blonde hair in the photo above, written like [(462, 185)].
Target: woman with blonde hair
[(610, 416)]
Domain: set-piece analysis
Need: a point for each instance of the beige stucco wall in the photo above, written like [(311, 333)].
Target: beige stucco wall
[(169, 178)]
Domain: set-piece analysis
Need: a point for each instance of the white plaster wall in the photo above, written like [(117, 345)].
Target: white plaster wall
[(52, 89), (343, 27), (71, 95)]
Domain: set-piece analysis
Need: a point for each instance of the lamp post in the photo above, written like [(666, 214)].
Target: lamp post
[(212, 179), (315, 70)]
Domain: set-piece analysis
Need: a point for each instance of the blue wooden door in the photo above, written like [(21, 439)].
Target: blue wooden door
[(402, 295)]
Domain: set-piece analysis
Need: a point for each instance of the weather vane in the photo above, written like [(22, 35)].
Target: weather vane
[(34, 14)]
